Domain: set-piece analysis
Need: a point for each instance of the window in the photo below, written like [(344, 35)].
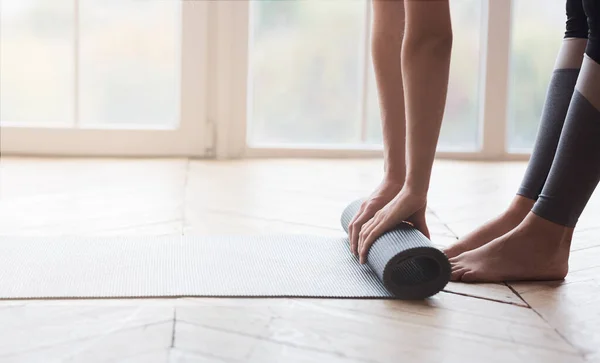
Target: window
[(306, 71), (36, 62), (235, 78), (460, 127), (79, 75), (537, 32), (129, 62), (309, 80)]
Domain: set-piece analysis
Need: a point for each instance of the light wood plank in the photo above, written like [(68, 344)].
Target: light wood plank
[(493, 292), (352, 335), (587, 238), (154, 356), (87, 197), (521, 325), (573, 309), (115, 197), (594, 358), (30, 328), (180, 356), (122, 345)]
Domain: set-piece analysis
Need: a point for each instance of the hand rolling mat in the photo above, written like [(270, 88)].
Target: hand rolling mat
[(401, 264), (407, 263)]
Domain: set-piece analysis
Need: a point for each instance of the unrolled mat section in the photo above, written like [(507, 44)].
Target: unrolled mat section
[(401, 264)]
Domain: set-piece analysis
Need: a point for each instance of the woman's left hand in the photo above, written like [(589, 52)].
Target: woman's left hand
[(405, 207)]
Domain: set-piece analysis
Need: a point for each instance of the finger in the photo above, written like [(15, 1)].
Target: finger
[(356, 216), (351, 227), (367, 215), (420, 223), (357, 227), (371, 237), (363, 232), (354, 230)]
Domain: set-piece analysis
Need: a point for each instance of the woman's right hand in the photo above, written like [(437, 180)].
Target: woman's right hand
[(385, 192)]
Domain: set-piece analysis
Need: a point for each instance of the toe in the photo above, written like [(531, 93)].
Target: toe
[(457, 274), (454, 260), (469, 276)]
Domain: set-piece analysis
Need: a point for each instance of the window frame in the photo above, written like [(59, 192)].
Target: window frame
[(215, 98), (192, 136), (493, 106)]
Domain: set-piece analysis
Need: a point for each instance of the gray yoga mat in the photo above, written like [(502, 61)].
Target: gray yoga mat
[(401, 264)]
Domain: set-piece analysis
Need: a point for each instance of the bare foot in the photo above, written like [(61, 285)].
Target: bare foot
[(493, 229), (536, 250)]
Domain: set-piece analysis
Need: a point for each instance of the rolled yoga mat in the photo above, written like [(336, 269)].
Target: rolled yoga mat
[(404, 260), (401, 264)]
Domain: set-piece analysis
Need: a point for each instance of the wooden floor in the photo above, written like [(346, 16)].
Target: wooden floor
[(534, 322)]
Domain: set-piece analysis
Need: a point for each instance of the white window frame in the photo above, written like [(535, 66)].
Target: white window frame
[(494, 78), (215, 98), (191, 137)]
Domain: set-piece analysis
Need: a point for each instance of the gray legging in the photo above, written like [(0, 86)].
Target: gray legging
[(564, 168)]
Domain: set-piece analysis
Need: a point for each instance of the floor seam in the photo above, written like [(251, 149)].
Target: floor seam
[(486, 298), (443, 223), (517, 294), (561, 335), (584, 248), (174, 325)]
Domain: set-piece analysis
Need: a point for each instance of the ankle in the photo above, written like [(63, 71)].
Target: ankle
[(519, 208), (555, 234)]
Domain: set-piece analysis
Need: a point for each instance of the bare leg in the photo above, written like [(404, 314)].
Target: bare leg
[(426, 52), (386, 46), (499, 226)]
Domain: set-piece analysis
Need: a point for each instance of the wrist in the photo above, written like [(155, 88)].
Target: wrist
[(395, 171), (394, 176), (415, 187)]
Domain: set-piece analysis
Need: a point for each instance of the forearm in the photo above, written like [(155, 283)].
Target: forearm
[(426, 64), (386, 49)]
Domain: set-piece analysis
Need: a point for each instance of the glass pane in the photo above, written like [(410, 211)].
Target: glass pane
[(129, 62), (460, 127), (305, 71), (36, 62), (537, 32)]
